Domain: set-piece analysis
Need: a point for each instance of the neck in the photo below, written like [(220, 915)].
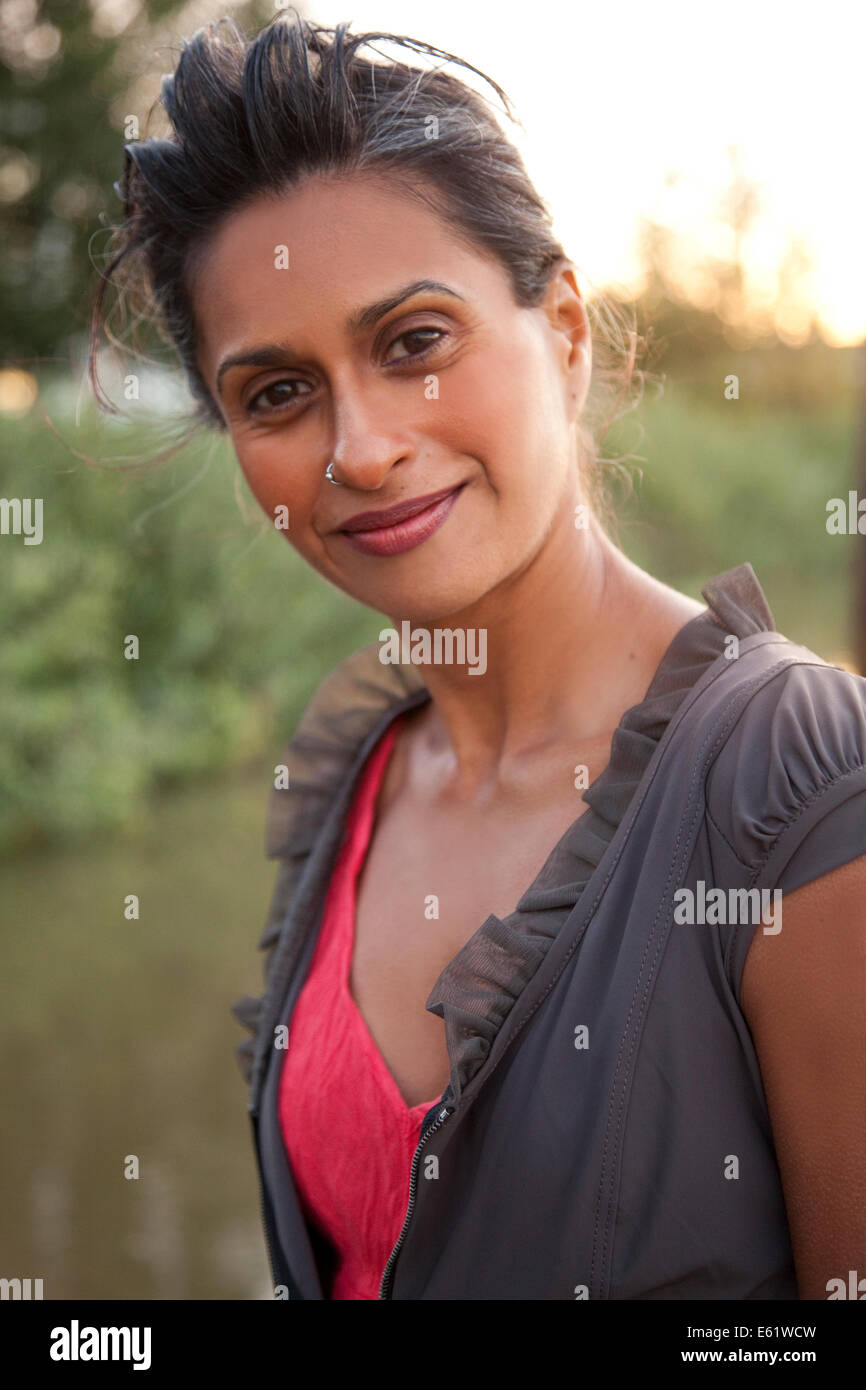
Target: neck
[(572, 641)]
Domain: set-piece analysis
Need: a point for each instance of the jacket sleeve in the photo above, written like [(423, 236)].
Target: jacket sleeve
[(786, 796)]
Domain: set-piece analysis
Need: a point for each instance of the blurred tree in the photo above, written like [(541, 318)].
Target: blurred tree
[(699, 305), (69, 71), (739, 206)]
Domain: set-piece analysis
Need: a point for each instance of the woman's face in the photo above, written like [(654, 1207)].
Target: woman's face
[(314, 351)]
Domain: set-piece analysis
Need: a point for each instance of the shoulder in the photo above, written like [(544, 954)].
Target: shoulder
[(361, 682), (790, 788), (802, 997), (796, 751), (340, 713)]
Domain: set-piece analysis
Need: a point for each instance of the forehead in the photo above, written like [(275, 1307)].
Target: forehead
[(324, 249)]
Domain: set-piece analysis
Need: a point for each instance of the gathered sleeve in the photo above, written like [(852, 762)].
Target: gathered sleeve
[(787, 794)]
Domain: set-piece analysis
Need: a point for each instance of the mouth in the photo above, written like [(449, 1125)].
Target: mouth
[(402, 527)]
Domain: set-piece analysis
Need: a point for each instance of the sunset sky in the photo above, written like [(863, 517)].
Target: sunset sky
[(630, 110)]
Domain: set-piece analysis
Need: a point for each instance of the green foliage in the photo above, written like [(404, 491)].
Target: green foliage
[(725, 481), (234, 630), (65, 90)]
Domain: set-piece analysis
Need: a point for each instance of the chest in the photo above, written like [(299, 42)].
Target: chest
[(428, 882)]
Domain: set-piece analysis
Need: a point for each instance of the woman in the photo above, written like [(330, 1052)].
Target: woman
[(521, 1035)]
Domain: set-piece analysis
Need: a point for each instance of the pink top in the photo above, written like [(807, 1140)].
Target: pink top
[(349, 1134)]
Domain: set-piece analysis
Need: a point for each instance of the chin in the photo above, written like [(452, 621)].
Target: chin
[(430, 603)]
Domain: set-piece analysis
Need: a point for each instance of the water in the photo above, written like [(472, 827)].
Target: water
[(118, 1046)]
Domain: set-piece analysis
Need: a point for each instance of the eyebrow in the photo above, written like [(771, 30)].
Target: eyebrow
[(281, 355)]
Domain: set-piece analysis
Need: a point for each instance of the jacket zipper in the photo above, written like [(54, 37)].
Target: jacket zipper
[(276, 1265), (388, 1275)]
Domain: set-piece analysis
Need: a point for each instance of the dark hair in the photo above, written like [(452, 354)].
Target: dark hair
[(255, 116)]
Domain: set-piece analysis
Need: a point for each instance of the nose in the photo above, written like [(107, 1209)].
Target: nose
[(370, 438)]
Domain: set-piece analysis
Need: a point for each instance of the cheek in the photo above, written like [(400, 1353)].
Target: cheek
[(274, 485), (509, 403), (539, 432)]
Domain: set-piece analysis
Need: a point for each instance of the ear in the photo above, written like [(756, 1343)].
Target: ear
[(568, 317)]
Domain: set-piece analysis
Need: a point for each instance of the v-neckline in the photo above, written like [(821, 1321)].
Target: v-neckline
[(368, 810), (503, 950), (348, 717), (389, 731)]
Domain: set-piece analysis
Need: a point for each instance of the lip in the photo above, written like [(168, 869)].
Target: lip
[(402, 527), (389, 516)]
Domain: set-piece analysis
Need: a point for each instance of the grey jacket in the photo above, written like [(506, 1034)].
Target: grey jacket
[(605, 1133)]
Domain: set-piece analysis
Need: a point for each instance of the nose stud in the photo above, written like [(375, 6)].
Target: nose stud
[(329, 474)]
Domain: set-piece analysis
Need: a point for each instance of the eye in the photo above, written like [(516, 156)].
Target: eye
[(273, 398), (439, 335), (281, 400)]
